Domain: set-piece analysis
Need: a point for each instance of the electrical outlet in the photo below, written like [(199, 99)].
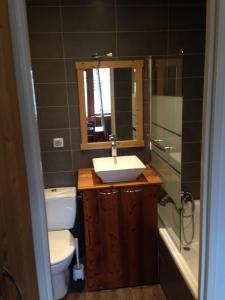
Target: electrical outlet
[(58, 143)]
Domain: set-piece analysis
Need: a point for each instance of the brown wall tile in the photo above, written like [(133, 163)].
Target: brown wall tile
[(46, 71), (192, 131), (192, 41), (53, 117), (142, 2), (190, 171), (74, 116), (192, 110), (87, 44), (142, 43), (193, 87), (142, 18), (43, 19), (185, 3), (73, 97), (188, 18), (193, 65), (87, 2), (48, 45), (71, 70), (43, 2), (51, 94), (191, 152), (56, 161), (47, 136), (60, 179), (75, 138), (88, 19)]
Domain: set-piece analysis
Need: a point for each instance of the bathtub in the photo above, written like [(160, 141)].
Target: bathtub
[(187, 261)]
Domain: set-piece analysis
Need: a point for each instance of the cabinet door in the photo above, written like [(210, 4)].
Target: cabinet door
[(138, 210), (102, 235), (120, 237)]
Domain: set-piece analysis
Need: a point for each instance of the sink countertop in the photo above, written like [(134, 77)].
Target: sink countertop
[(88, 180)]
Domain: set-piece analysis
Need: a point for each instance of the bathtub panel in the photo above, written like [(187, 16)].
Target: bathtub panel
[(170, 279)]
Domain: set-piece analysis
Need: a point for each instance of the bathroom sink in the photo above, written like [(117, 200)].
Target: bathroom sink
[(119, 168)]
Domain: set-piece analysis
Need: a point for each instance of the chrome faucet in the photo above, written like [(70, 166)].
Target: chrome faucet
[(112, 138)]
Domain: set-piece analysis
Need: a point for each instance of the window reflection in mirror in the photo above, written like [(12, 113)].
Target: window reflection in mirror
[(111, 104), (110, 96), (167, 76)]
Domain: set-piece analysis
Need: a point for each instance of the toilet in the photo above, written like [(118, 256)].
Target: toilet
[(61, 213)]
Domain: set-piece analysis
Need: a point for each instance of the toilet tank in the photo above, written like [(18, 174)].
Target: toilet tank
[(60, 207)]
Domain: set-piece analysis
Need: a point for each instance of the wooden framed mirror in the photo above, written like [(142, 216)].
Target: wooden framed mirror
[(111, 102)]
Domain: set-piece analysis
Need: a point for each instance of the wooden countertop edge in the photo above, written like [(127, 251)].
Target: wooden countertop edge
[(86, 180)]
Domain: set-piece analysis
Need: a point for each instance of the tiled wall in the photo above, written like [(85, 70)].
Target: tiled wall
[(64, 31), (193, 73)]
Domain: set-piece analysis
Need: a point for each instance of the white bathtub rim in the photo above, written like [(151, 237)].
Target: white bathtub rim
[(180, 262)]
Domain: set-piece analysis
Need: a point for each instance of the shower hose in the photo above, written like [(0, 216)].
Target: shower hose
[(185, 198)]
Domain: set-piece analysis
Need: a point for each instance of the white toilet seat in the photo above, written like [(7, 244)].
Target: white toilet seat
[(61, 246)]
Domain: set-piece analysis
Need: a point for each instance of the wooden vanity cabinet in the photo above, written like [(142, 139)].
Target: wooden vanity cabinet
[(120, 236)]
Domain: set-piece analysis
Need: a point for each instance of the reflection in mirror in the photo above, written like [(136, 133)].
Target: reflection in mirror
[(167, 76), (111, 96)]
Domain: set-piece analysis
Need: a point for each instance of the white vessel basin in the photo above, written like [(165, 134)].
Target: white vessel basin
[(120, 168)]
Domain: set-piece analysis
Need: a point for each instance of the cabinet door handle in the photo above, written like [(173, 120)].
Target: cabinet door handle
[(109, 193), (133, 190), (7, 274)]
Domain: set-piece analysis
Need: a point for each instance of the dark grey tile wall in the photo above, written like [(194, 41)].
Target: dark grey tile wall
[(63, 31), (190, 15), (193, 77)]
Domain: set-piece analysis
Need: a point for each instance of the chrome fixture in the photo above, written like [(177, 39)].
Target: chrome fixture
[(112, 139), (165, 200), (156, 143), (187, 197)]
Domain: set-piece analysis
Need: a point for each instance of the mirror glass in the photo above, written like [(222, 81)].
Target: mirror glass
[(110, 97)]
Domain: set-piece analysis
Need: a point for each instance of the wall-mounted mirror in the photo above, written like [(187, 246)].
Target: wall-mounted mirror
[(111, 102)]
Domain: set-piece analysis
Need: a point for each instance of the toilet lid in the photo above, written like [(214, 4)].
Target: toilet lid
[(61, 245)]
